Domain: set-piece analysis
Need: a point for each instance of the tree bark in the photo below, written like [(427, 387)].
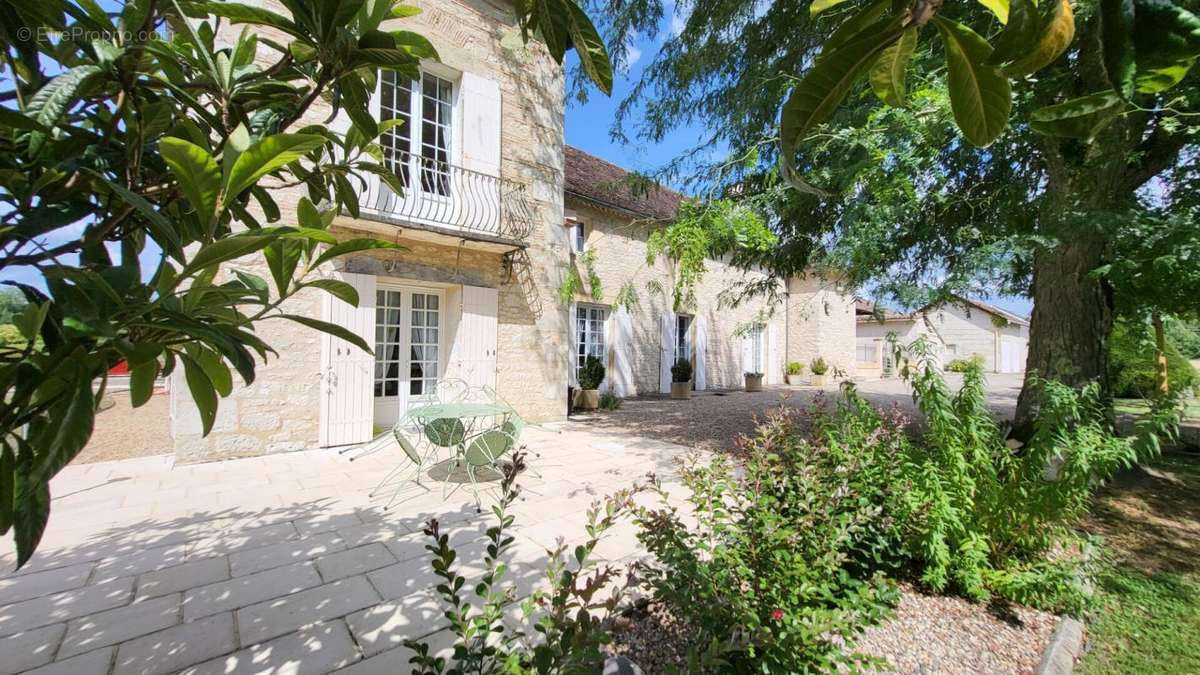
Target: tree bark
[(1071, 323), (1162, 382)]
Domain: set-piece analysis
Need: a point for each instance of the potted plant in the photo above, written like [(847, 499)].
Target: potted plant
[(754, 381), (681, 379), (590, 377), (792, 373), (818, 367)]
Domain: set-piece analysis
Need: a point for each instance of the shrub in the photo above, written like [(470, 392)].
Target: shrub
[(610, 401), (1185, 336), (591, 374), (963, 365), (794, 368), (772, 575), (1131, 366), (819, 366), (559, 630), (681, 371)]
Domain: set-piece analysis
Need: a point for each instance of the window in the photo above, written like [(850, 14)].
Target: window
[(589, 333), (421, 142), (422, 345), (867, 352), (952, 350), (683, 345), (755, 335), (579, 237)]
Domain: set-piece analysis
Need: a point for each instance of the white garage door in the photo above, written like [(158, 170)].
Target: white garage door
[(1012, 355)]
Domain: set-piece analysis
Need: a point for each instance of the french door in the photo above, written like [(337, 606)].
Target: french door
[(408, 349)]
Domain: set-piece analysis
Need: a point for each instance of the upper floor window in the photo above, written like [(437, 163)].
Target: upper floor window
[(421, 143), (578, 237)]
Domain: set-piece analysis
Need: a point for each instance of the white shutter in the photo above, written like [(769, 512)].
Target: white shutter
[(774, 368), (700, 346), (748, 352), (619, 377), (347, 372), (667, 349), (480, 100), (473, 355)]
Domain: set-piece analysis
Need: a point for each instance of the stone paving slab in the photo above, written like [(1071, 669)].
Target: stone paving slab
[(150, 568)]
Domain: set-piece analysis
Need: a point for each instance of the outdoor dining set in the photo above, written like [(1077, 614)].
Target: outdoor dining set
[(461, 435)]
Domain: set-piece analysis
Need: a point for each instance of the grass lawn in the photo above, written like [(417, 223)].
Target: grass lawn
[(1150, 589), (1137, 406)]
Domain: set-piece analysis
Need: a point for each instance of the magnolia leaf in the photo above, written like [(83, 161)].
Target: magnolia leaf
[(141, 381), (239, 13), (850, 28), (339, 289), (405, 11), (1166, 40), (228, 248), (980, 96), (162, 229), (589, 47), (198, 174), (1081, 117), (330, 328), (997, 7), (1022, 30), (887, 74), (202, 391), (8, 485), (819, 6), (1116, 36), (47, 106), (31, 512), (814, 99), (266, 156), (1058, 29), (214, 368), (353, 246), (75, 417)]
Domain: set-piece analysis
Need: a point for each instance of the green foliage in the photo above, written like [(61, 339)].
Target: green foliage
[(681, 371), (819, 366), (974, 361), (610, 401), (158, 136), (1185, 336), (794, 368), (1131, 362), (767, 570), (592, 373), (704, 230), (559, 630), (11, 304), (572, 283)]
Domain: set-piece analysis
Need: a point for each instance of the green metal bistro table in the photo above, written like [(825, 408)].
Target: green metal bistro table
[(479, 432)]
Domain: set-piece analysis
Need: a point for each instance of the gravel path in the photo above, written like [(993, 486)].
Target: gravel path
[(123, 433)]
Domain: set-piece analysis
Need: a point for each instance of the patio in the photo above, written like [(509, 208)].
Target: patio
[(282, 563)]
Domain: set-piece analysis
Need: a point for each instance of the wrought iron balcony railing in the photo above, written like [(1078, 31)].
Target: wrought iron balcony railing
[(446, 196)]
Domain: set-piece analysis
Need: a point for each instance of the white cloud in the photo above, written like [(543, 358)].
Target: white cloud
[(632, 55)]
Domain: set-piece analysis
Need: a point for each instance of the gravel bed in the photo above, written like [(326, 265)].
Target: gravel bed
[(123, 433), (926, 634)]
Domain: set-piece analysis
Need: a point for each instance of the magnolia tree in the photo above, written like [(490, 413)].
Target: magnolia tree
[(135, 159)]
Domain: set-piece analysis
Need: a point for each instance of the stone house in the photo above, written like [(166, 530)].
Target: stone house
[(962, 328), (493, 219)]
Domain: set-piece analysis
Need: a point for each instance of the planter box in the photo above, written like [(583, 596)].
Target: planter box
[(793, 379), (587, 399), (754, 382), (681, 390), (818, 380)]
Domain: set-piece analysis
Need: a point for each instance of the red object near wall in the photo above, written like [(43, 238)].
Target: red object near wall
[(121, 368)]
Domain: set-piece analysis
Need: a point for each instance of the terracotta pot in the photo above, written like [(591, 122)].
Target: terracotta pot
[(754, 382), (681, 390), (818, 380), (587, 399), (792, 379)]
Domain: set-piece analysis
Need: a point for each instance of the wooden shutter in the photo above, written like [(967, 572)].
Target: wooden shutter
[(480, 100), (748, 351), (667, 349), (773, 367), (620, 346), (347, 372), (700, 346), (474, 350)]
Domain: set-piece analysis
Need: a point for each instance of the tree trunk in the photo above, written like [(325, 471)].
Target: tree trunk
[(1162, 383), (1071, 323)]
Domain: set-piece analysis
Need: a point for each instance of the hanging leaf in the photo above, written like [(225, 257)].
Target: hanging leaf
[(998, 7), (339, 289), (589, 47), (353, 246), (265, 156), (980, 96), (814, 99), (887, 74), (198, 175), (141, 381), (1116, 35), (1022, 30), (31, 512), (1058, 29), (8, 485), (229, 248), (819, 6), (202, 391), (851, 27), (1081, 117), (331, 328), (1166, 40), (47, 106)]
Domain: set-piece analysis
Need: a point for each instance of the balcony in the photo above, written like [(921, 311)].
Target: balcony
[(443, 201)]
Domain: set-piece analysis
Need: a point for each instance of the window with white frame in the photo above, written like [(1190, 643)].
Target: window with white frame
[(578, 237), (755, 336), (867, 352), (421, 142), (589, 333)]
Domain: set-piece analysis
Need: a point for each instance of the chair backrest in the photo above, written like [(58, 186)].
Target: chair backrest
[(406, 444), (488, 447), (451, 390), (445, 432)]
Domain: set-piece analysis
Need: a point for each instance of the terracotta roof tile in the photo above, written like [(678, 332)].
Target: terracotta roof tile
[(606, 185)]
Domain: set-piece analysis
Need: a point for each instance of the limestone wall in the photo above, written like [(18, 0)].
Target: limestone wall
[(821, 323)]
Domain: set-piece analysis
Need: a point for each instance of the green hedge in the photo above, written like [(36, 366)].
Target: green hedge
[(1131, 362)]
